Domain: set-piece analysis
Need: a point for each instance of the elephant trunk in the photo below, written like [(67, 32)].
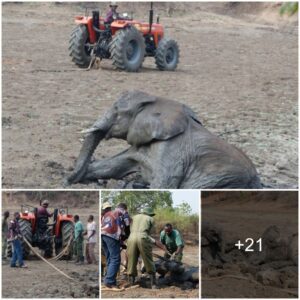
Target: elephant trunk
[(94, 136), (90, 143)]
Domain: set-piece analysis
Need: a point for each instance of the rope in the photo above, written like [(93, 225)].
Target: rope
[(47, 262), (64, 251)]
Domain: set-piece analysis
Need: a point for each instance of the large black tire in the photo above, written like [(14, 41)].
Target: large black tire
[(167, 55), (26, 231), (128, 49), (67, 233), (77, 47)]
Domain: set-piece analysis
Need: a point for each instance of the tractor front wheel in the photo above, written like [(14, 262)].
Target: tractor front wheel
[(167, 55), (78, 47), (128, 49)]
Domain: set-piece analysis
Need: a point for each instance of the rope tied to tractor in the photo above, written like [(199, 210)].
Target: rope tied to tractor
[(65, 251)]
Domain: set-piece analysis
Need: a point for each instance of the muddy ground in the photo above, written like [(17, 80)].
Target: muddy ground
[(238, 71), (242, 215), (41, 281), (191, 257)]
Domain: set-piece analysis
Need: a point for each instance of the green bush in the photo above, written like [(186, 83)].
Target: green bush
[(186, 224), (289, 8)]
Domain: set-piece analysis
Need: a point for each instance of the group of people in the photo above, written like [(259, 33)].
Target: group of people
[(91, 240), (11, 233), (117, 227)]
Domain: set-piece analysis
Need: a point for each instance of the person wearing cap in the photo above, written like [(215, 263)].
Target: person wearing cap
[(173, 242), (110, 241), (42, 225), (140, 244), (4, 233), (43, 210), (112, 14)]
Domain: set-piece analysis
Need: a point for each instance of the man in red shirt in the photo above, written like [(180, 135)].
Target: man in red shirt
[(42, 210), (111, 230), (42, 226)]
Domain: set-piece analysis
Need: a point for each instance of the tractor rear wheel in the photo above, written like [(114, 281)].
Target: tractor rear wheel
[(26, 231), (78, 49), (128, 49), (67, 233), (167, 55)]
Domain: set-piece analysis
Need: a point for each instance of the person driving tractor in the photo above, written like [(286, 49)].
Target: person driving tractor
[(42, 210), (173, 242), (112, 14), (42, 227)]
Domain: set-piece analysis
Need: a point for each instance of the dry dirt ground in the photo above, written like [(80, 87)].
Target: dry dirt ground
[(238, 71), (241, 216), (41, 281), (191, 258)]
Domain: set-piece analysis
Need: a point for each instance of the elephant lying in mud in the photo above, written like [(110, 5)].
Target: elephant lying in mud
[(169, 148)]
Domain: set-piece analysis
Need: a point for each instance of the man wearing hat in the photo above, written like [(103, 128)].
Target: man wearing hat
[(112, 14), (43, 210), (140, 244), (42, 226), (110, 238)]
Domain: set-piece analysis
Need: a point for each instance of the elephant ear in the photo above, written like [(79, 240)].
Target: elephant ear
[(160, 120)]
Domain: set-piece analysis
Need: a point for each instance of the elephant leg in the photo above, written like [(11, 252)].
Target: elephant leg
[(112, 168), (167, 172)]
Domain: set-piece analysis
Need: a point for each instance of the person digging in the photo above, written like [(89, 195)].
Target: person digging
[(173, 242)]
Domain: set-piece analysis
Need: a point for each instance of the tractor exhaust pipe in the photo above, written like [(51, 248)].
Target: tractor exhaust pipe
[(150, 17), (96, 22)]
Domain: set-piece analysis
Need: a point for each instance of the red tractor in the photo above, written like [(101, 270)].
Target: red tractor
[(39, 233), (127, 42)]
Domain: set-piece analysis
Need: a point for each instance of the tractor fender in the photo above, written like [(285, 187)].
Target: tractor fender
[(30, 217), (60, 219), (88, 22)]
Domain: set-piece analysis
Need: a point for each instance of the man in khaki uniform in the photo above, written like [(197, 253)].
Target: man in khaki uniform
[(140, 244)]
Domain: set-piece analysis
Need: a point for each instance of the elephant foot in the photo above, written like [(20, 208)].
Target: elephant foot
[(66, 183)]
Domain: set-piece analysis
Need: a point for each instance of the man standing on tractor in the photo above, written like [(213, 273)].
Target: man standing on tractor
[(15, 237), (173, 241), (112, 14), (110, 238), (42, 227), (43, 210), (140, 243), (91, 240), (78, 241), (4, 233)]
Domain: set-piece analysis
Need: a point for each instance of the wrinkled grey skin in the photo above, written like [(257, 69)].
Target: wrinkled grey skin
[(177, 271), (212, 244), (169, 148)]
